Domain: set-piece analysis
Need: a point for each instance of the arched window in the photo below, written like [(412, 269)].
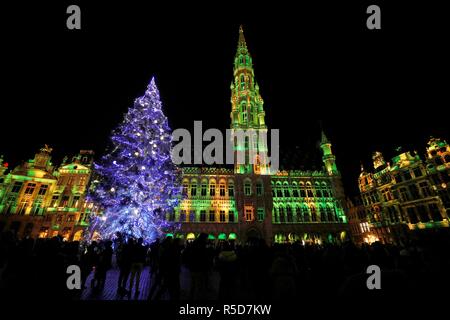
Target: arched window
[(313, 214), (242, 82), (330, 213), (295, 190), (318, 189), (305, 214), (204, 188), (248, 188), (275, 215), (222, 189), (279, 190), (323, 214), (282, 215), (185, 188), (259, 188), (309, 191), (289, 214), (286, 190), (230, 188), (193, 188), (302, 190), (299, 213), (212, 188)]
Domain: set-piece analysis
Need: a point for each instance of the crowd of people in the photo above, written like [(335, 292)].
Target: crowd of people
[(33, 268)]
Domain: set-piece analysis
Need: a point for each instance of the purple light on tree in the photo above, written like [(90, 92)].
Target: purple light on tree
[(136, 183)]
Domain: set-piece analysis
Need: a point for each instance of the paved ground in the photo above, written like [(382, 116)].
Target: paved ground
[(110, 290)]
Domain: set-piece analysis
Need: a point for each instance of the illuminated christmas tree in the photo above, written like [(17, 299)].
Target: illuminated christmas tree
[(137, 184)]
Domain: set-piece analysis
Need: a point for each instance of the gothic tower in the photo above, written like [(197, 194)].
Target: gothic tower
[(251, 167), (247, 115)]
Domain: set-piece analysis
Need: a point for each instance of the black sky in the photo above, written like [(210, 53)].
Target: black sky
[(373, 90)]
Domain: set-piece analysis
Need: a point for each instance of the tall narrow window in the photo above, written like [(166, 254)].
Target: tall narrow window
[(259, 189), (212, 189), (248, 188), (222, 216), (260, 214), (230, 216), (222, 190), (193, 190), (203, 192), (230, 189)]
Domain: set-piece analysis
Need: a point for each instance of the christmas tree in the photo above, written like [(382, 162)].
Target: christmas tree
[(136, 183)]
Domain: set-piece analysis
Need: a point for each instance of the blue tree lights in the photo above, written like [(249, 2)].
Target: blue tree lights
[(137, 184)]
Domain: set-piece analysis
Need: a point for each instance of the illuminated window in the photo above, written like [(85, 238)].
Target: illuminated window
[(260, 214), (212, 216), (43, 189), (242, 82), (65, 201), (230, 189), (36, 208), (248, 188), (230, 216), (192, 216), (249, 214), (76, 201), (30, 188), (222, 190), (222, 216), (202, 216), (289, 214), (43, 233), (203, 192), (182, 216), (54, 200), (282, 215), (193, 190), (313, 214), (185, 189), (259, 189), (212, 189), (323, 216)]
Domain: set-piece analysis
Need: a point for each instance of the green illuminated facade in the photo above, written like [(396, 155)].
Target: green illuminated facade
[(250, 200)]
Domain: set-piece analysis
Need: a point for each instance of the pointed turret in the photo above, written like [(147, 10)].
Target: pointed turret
[(242, 44), (328, 157)]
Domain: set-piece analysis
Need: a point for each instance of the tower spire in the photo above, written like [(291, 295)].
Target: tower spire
[(247, 110), (242, 44)]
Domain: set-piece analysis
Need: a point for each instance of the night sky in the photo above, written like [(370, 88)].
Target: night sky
[(373, 90)]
